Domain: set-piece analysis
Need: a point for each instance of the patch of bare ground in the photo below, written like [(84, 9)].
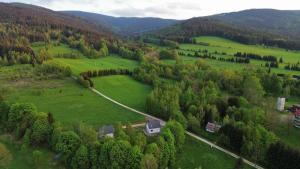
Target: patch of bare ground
[(32, 83), (285, 118)]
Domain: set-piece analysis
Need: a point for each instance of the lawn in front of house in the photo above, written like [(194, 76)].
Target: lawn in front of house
[(124, 89)]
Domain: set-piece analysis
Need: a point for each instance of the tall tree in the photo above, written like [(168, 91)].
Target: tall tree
[(149, 162), (252, 90), (81, 159)]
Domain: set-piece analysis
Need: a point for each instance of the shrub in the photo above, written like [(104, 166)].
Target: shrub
[(5, 156)]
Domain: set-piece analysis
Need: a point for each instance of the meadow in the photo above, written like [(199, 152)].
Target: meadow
[(124, 89), (229, 47), (70, 103), (55, 50), (229, 65), (197, 154), (84, 64)]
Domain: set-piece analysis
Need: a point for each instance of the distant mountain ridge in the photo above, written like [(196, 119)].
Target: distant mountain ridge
[(124, 25), (38, 19), (257, 26), (281, 22)]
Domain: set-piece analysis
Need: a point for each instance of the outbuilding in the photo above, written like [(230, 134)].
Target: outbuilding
[(280, 103)]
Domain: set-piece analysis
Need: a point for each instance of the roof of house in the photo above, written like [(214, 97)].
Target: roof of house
[(107, 129), (210, 126), (297, 105), (153, 124), (297, 112)]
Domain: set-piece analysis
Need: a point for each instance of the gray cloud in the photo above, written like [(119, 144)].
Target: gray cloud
[(177, 9), (144, 12), (128, 11)]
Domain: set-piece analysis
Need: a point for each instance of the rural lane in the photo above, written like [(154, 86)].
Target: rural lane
[(213, 145)]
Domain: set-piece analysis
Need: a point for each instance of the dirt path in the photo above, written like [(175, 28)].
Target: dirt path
[(188, 133)]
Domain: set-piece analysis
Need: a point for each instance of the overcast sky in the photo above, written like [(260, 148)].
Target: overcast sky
[(175, 9)]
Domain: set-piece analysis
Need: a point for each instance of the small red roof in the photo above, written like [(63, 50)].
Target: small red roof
[(210, 126), (297, 112)]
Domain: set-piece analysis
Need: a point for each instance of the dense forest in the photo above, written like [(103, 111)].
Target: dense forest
[(280, 22), (185, 30)]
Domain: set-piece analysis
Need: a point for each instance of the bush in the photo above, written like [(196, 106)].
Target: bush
[(54, 69), (37, 158), (5, 156), (83, 82)]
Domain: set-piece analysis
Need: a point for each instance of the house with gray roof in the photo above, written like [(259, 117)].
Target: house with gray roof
[(153, 127), (106, 131)]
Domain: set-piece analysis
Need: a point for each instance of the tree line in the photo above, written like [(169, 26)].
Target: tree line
[(106, 72), (207, 55), (162, 42), (295, 67), (85, 77), (258, 57)]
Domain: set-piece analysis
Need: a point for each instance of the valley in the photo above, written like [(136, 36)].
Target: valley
[(83, 90)]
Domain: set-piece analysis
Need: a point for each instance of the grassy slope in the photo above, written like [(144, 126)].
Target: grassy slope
[(124, 89), (230, 48), (56, 50), (81, 65), (196, 153), (70, 103)]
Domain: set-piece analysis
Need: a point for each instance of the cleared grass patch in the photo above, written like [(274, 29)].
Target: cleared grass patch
[(197, 154), (70, 103), (233, 66), (55, 50), (124, 89), (229, 47), (85, 64)]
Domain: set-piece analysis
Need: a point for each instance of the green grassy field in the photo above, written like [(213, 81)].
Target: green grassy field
[(7, 72), (123, 89), (197, 154), (84, 64), (292, 100), (230, 48), (69, 102), (24, 160), (54, 50)]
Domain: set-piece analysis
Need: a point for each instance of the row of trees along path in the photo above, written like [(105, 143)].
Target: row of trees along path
[(162, 122)]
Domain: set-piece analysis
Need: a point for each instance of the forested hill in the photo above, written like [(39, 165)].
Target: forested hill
[(33, 21), (242, 32), (21, 25), (124, 25), (282, 22)]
